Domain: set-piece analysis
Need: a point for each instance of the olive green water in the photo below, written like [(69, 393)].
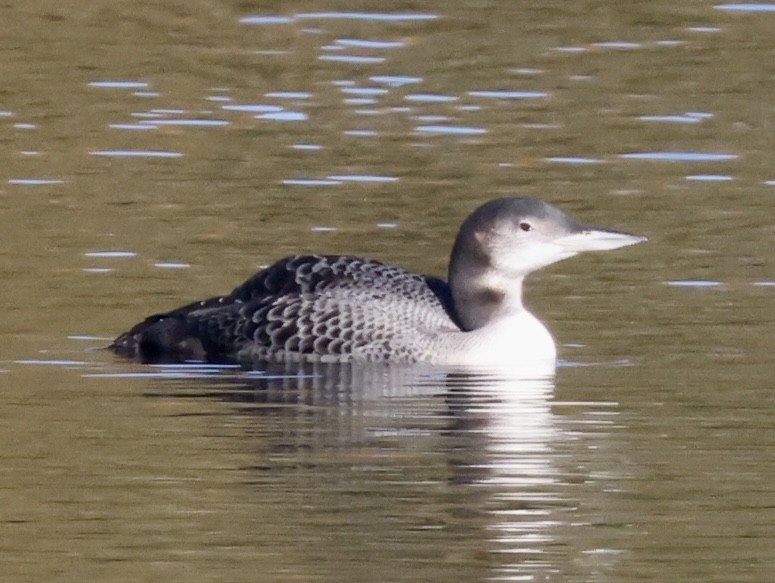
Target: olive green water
[(135, 176)]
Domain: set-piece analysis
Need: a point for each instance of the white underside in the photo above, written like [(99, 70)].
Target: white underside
[(517, 341)]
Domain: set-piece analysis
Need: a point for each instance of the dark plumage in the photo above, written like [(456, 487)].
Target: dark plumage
[(343, 308), (303, 307)]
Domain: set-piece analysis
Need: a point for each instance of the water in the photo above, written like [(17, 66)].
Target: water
[(154, 154)]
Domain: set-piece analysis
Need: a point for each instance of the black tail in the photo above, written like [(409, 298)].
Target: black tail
[(163, 338)]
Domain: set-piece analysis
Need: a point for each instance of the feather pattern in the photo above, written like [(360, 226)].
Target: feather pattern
[(311, 308)]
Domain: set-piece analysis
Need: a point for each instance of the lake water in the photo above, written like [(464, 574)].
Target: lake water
[(156, 153)]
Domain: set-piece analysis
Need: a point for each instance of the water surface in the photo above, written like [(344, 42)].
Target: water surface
[(155, 154)]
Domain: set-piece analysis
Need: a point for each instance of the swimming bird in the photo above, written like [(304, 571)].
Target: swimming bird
[(341, 308)]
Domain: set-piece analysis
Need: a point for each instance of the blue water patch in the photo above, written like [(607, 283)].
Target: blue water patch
[(704, 29), (363, 178), (364, 90), (574, 160), (172, 265), (352, 59), (136, 154), (746, 7), (679, 156), (53, 362), (307, 147), (289, 95), (671, 118), (764, 283), (360, 133), (35, 181), (266, 20), (709, 178), (119, 84), (360, 101), (321, 229), (205, 123), (369, 44), (284, 116), (693, 283), (110, 254), (617, 45), (509, 94), (310, 182), (252, 108), (430, 98), (432, 118), (395, 80), (452, 130), (373, 16), (133, 126)]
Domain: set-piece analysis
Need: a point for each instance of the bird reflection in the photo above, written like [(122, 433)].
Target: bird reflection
[(494, 433)]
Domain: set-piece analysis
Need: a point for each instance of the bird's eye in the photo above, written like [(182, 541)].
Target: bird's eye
[(525, 226)]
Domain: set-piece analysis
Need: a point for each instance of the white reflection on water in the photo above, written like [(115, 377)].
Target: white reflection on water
[(119, 84), (679, 156), (136, 154), (453, 130), (752, 7), (352, 59)]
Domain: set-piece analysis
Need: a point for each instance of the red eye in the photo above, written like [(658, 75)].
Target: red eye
[(525, 226)]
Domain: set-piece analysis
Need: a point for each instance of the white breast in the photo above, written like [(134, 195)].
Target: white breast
[(519, 340)]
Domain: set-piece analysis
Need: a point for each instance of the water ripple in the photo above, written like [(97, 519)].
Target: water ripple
[(693, 283), (289, 95), (119, 84), (710, 177), (574, 160), (373, 16), (310, 182), (430, 98), (369, 44), (363, 178), (746, 7), (357, 60), (266, 20), (509, 94), (136, 154), (251, 108), (284, 116), (35, 181), (110, 254), (679, 156), (454, 130), (395, 80), (185, 122)]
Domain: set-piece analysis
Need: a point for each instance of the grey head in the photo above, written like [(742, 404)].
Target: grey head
[(504, 240)]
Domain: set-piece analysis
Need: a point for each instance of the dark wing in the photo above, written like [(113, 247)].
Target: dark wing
[(300, 306)]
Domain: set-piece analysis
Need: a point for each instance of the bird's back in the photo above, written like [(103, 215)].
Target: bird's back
[(305, 308)]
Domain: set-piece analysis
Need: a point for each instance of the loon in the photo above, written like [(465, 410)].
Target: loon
[(340, 308)]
